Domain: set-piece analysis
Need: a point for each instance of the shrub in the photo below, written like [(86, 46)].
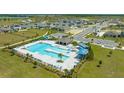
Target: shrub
[(110, 52), (60, 61), (98, 66), (35, 63), (100, 62), (74, 43), (34, 66), (90, 55)]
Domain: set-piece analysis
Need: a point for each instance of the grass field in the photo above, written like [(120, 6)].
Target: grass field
[(10, 38), (13, 66), (111, 66), (8, 21)]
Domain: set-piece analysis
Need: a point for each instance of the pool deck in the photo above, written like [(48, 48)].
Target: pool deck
[(67, 64)]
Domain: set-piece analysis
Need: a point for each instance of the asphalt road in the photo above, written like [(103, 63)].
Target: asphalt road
[(104, 43)]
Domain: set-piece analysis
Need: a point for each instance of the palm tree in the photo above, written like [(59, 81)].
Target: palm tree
[(60, 55), (30, 58), (66, 72), (35, 64), (71, 71), (26, 58)]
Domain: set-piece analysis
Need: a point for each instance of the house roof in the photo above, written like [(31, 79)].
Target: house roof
[(65, 40), (4, 29), (112, 33), (58, 35)]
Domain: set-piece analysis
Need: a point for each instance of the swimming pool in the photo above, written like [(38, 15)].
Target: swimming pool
[(47, 52), (42, 48)]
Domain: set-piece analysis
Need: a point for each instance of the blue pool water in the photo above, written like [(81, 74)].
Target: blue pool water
[(41, 49)]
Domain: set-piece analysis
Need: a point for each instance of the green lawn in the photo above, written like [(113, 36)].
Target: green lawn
[(111, 66), (13, 66), (91, 36)]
